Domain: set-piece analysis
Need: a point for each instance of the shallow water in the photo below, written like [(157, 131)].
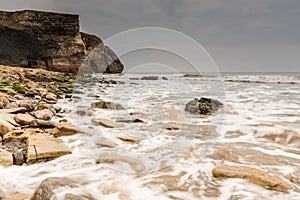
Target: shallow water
[(171, 155)]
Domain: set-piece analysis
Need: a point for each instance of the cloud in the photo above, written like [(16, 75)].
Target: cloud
[(216, 24)]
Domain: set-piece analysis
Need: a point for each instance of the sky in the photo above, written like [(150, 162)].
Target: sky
[(240, 35)]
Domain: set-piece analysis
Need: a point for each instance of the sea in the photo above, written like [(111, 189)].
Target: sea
[(156, 150)]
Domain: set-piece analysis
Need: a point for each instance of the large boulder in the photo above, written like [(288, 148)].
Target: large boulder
[(48, 188), (203, 106), (252, 175), (31, 38)]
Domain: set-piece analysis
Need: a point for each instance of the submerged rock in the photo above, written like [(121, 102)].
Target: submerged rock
[(84, 111), (203, 106), (105, 122), (252, 175), (107, 105), (149, 78)]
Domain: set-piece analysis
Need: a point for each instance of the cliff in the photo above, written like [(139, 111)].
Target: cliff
[(53, 41)]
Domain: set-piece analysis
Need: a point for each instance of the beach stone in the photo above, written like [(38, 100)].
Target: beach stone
[(24, 119), (6, 158), (107, 105), (105, 122), (57, 108), (51, 97), (42, 146), (7, 123), (4, 101), (65, 129), (19, 157), (45, 114), (203, 106), (19, 97), (43, 123), (26, 104), (252, 175)]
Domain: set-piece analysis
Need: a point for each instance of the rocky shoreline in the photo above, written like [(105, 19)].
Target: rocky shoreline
[(31, 123)]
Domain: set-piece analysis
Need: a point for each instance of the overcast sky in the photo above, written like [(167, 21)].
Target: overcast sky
[(240, 35)]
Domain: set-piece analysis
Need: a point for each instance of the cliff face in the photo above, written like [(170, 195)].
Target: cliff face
[(53, 41)]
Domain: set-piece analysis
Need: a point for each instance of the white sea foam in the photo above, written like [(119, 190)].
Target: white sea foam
[(253, 113)]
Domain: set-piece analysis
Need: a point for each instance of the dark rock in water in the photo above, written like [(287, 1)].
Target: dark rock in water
[(192, 76), (19, 157), (164, 78), (203, 106), (149, 78), (51, 40)]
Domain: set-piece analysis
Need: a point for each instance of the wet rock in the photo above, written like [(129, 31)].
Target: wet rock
[(57, 108), (42, 123), (252, 175), (23, 119), (13, 110), (129, 138), (149, 78), (192, 76), (203, 106), (105, 122), (45, 147), (19, 157), (6, 158), (65, 129), (46, 189), (84, 111), (60, 187), (43, 114), (107, 105), (70, 196), (105, 142), (26, 104)]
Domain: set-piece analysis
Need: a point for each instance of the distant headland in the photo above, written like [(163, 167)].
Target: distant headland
[(39, 39)]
